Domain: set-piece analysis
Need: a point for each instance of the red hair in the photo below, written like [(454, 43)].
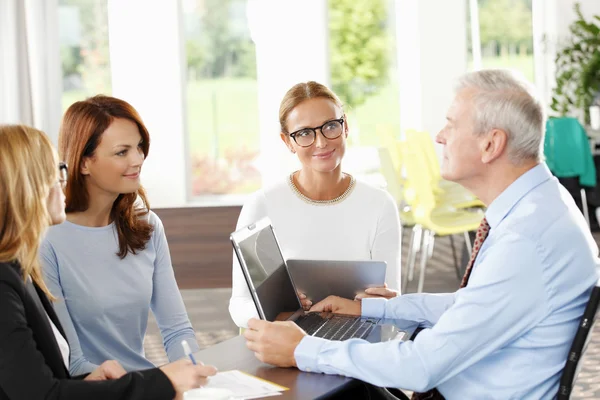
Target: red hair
[(80, 133)]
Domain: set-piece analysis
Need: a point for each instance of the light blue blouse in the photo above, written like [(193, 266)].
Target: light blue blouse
[(103, 302)]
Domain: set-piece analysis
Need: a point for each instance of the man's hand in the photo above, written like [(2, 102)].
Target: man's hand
[(107, 370), (378, 291), (274, 342), (337, 305)]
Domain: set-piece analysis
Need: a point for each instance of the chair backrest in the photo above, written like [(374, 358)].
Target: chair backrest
[(427, 147), (391, 175), (418, 190), (567, 150), (389, 141), (579, 345), (421, 144)]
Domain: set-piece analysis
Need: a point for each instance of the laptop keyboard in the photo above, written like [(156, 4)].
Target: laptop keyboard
[(337, 327)]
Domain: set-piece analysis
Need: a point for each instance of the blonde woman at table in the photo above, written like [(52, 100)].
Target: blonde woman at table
[(34, 352), (320, 212), (109, 263)]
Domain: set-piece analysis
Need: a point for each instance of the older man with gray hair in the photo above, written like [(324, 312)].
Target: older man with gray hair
[(506, 332)]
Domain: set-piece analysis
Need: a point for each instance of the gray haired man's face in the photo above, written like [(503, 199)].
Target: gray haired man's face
[(461, 147)]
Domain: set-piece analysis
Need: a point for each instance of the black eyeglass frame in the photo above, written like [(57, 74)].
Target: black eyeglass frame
[(320, 128), (63, 176)]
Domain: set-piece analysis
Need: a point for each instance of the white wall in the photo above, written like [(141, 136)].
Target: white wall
[(567, 15), (432, 53), (148, 71)]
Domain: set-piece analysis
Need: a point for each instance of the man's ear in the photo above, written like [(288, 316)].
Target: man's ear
[(494, 145), (288, 143)]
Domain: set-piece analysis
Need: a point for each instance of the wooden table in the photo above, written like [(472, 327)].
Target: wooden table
[(233, 354)]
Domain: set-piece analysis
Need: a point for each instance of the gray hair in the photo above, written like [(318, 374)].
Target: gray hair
[(504, 100)]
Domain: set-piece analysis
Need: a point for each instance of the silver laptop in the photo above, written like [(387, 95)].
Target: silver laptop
[(275, 295), (318, 279)]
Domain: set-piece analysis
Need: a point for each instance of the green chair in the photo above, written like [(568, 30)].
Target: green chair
[(568, 154)]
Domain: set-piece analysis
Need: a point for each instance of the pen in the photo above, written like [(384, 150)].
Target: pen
[(188, 351)]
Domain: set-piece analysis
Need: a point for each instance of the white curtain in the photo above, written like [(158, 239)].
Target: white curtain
[(30, 75)]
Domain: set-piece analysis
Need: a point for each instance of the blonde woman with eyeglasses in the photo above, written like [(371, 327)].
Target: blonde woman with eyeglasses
[(319, 211), (34, 353)]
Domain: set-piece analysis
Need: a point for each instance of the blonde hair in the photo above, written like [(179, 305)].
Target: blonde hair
[(28, 169), (301, 92)]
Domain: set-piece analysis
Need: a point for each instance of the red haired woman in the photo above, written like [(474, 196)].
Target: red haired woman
[(109, 263)]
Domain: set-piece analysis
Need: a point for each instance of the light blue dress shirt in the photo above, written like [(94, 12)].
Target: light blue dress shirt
[(507, 334), (103, 302)]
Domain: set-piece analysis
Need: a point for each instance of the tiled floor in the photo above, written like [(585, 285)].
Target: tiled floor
[(207, 309)]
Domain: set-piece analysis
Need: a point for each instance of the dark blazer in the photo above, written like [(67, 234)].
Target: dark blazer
[(31, 365)]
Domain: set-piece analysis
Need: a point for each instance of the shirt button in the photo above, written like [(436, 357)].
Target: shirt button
[(308, 370)]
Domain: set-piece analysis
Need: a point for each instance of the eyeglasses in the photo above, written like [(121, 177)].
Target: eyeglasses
[(330, 130), (63, 174)]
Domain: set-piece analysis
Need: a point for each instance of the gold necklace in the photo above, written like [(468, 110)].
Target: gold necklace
[(308, 200)]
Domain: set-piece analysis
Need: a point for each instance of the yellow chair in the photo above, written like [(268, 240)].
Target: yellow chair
[(390, 142), (447, 191), (391, 166), (435, 215), (395, 188), (394, 185), (392, 169)]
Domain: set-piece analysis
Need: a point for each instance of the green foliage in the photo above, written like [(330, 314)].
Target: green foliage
[(358, 47), (70, 60), (578, 68), (195, 56), (218, 49), (506, 23), (90, 58)]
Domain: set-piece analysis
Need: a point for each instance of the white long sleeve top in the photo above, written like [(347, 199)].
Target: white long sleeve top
[(363, 226)]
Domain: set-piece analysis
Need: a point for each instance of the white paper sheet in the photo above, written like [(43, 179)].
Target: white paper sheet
[(235, 385)]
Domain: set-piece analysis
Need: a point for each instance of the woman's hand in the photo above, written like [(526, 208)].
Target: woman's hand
[(306, 303), (335, 304), (185, 376), (107, 370), (378, 291)]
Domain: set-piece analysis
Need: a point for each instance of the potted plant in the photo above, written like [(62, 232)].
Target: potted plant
[(578, 68)]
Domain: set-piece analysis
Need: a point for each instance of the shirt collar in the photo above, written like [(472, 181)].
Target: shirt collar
[(502, 205)]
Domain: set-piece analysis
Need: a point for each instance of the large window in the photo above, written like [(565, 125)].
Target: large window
[(222, 98), (363, 67), (84, 49), (505, 28)]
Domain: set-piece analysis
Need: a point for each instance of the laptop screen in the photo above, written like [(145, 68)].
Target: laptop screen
[(269, 274)]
